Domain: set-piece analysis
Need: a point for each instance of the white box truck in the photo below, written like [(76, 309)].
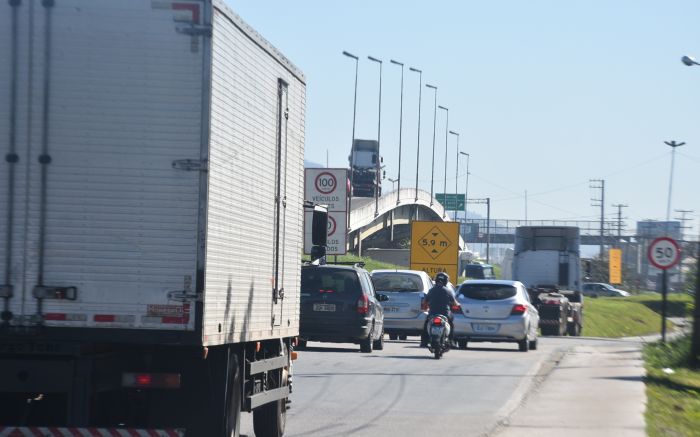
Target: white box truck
[(151, 219)]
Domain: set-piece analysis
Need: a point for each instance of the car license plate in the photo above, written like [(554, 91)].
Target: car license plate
[(485, 327), (324, 307), (391, 309)]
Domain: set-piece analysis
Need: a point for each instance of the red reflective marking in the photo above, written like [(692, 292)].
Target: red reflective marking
[(170, 319), (36, 431), (133, 433), (152, 433), (15, 433), (75, 432), (95, 432), (55, 316), (188, 7), (104, 317), (172, 433), (55, 431), (114, 432)]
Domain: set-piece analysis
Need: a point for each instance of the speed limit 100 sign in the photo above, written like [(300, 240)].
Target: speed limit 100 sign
[(664, 253)]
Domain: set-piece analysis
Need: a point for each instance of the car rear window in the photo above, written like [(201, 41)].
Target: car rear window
[(487, 291), (402, 282), (328, 280)]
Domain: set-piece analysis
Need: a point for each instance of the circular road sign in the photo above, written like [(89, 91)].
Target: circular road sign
[(325, 182), (332, 225), (664, 253)]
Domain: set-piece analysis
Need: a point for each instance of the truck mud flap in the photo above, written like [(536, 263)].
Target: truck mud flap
[(37, 431)]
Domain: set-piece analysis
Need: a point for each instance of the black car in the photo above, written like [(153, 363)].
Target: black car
[(339, 305)]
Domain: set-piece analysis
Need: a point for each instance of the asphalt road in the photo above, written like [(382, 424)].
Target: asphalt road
[(403, 391)]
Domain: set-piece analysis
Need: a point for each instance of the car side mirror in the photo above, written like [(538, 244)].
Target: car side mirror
[(382, 297)]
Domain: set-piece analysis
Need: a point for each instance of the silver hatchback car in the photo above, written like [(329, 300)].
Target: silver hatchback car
[(404, 311), (496, 311)]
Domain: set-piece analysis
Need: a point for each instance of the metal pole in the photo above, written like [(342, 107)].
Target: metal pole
[(444, 183), (352, 144), (379, 135), (673, 145), (488, 229), (602, 219), (420, 93), (398, 179), (695, 342), (664, 293), (432, 168), (456, 170)]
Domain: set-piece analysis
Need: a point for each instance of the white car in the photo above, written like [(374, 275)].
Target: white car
[(595, 289), (495, 311)]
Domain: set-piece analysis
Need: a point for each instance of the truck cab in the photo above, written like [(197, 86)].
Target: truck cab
[(366, 164)]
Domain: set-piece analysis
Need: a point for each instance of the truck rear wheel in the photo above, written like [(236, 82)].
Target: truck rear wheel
[(270, 419)]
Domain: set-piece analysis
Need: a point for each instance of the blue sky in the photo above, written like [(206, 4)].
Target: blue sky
[(545, 94)]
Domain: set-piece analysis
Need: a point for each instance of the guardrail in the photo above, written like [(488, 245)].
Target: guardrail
[(364, 215)]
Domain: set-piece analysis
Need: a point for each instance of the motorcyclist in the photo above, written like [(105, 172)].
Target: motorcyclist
[(440, 300)]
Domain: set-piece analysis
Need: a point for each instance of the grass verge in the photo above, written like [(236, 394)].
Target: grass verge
[(626, 317), (673, 399), (370, 264)]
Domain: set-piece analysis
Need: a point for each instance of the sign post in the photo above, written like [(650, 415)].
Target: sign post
[(664, 253), (328, 186)]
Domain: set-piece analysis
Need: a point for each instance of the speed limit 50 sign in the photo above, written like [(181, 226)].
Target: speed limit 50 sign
[(664, 253)]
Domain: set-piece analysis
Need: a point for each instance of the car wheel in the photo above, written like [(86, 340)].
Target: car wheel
[(524, 345), (533, 344), (393, 336), (367, 343), (379, 343), (462, 344), (402, 337)]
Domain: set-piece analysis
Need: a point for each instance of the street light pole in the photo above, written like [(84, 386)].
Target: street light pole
[(432, 169), (393, 181), (379, 133), (447, 128), (673, 145), (398, 178), (456, 170), (352, 144), (466, 186), (420, 92)]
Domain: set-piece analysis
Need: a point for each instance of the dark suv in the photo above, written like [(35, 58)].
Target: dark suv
[(339, 305)]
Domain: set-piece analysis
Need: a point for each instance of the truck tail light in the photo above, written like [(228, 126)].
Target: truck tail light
[(518, 310), (151, 380), (363, 305)]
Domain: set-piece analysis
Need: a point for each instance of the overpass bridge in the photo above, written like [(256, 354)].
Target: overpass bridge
[(385, 223)]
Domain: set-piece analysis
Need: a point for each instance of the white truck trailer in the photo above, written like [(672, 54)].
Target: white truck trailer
[(151, 219)]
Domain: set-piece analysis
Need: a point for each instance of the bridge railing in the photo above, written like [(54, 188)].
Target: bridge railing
[(365, 214)]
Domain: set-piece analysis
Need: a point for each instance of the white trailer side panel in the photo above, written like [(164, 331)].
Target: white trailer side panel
[(124, 100), (243, 157)]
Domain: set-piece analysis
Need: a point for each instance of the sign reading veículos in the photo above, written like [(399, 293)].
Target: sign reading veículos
[(328, 186)]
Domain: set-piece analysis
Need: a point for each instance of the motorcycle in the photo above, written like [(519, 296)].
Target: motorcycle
[(439, 333)]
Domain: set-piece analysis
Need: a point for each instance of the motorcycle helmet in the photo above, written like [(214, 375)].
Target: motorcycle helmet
[(442, 278)]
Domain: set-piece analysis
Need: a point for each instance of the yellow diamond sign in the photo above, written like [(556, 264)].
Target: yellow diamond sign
[(435, 247)]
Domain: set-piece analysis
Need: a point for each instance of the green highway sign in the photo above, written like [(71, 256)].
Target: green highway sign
[(451, 202)]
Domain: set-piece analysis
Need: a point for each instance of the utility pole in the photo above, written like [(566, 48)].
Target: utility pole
[(683, 219), (619, 207), (599, 184)]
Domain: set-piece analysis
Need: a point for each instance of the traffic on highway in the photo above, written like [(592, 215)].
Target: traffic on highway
[(175, 261)]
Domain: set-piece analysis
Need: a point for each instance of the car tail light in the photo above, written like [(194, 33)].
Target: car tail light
[(363, 305), (151, 380), (552, 302), (518, 309), (424, 304), (456, 308), (437, 321)]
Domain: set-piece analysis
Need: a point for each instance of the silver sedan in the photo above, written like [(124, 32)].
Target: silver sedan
[(405, 310), (495, 311)]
